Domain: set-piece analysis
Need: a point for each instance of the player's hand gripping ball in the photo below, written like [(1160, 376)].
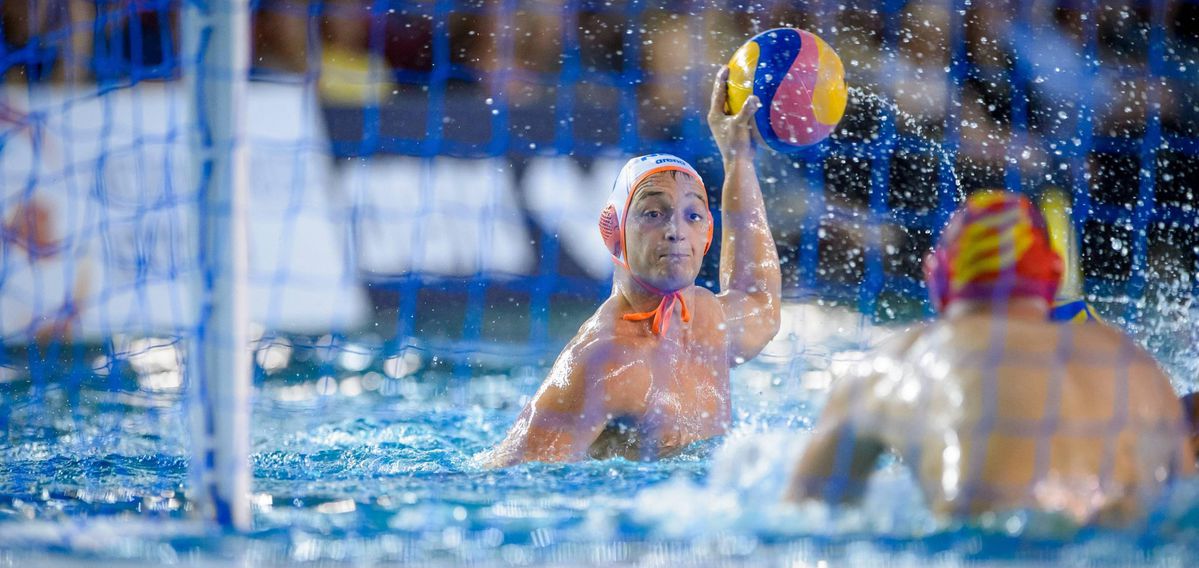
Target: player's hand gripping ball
[(800, 81)]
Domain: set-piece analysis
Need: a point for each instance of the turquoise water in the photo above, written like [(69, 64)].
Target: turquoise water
[(360, 469)]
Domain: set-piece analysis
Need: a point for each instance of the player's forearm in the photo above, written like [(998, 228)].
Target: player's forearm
[(748, 259), (823, 472), (534, 444)]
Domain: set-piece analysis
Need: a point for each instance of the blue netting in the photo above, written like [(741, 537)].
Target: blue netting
[(591, 108), (423, 172)]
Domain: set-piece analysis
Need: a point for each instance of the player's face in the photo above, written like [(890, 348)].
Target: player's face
[(667, 230)]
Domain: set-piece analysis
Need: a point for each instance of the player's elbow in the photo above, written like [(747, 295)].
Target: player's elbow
[(769, 316), (768, 296), (772, 318), (763, 324)]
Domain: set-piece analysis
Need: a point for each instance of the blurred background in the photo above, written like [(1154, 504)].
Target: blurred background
[(426, 175)]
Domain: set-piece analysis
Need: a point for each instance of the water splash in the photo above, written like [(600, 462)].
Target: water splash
[(885, 108)]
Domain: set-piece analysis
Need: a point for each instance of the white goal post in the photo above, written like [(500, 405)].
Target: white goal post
[(215, 61)]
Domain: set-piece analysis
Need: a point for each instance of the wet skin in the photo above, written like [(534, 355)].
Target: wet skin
[(1004, 410), (618, 389)]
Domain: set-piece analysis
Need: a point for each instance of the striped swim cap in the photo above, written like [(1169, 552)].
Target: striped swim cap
[(995, 246)]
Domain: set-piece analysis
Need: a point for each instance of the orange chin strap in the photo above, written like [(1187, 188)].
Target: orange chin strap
[(662, 314)]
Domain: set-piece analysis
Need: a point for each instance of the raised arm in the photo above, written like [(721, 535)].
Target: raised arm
[(750, 281)]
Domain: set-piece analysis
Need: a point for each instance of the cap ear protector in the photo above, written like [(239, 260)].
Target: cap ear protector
[(609, 226), (613, 216)]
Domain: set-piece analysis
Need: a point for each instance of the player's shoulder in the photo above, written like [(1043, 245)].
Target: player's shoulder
[(573, 374), (596, 349), (1120, 341), (599, 350), (705, 295), (1104, 336), (600, 362)]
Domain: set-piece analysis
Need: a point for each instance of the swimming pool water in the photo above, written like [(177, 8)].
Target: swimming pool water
[(381, 475)]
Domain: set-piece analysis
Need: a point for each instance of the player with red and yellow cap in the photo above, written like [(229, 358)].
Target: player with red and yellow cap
[(994, 248), (995, 407), (648, 374)]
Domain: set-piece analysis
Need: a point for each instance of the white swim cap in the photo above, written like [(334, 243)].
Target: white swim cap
[(612, 229), (611, 222)]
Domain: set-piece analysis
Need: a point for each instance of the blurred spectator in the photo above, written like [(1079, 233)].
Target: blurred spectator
[(669, 55), (474, 41), (1182, 112), (23, 24), (600, 40), (917, 76), (536, 47), (280, 36), (76, 41), (409, 41), (350, 73), (44, 285), (1123, 51), (26, 24)]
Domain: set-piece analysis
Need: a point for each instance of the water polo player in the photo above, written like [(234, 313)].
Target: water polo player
[(994, 407), (648, 374)]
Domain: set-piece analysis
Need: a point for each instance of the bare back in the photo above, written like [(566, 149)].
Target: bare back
[(999, 413)]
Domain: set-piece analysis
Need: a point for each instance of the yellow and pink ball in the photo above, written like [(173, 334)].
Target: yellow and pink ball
[(800, 82)]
